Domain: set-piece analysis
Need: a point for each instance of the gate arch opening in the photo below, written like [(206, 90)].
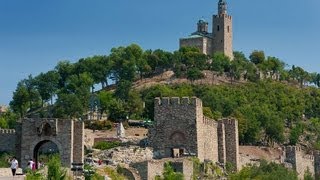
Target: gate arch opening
[(43, 150)]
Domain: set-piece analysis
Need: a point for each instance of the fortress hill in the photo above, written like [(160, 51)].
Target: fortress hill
[(219, 40)]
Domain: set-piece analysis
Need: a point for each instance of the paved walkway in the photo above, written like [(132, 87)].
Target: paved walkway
[(12, 178), (5, 174)]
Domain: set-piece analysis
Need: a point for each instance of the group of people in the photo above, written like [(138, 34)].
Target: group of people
[(14, 165)]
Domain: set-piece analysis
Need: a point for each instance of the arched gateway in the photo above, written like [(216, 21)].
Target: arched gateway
[(64, 137)]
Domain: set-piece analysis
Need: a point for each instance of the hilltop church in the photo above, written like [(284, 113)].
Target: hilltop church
[(220, 40)]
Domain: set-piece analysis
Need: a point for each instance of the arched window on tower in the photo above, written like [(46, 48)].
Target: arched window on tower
[(228, 28), (218, 28)]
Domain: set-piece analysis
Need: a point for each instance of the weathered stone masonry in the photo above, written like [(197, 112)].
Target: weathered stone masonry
[(7, 140), (302, 162), (181, 129), (30, 134)]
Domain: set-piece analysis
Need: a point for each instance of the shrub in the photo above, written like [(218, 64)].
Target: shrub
[(34, 175), (113, 174), (100, 125), (4, 160), (169, 173), (55, 171), (265, 171), (103, 145)]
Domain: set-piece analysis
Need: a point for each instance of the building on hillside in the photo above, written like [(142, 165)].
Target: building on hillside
[(220, 40)]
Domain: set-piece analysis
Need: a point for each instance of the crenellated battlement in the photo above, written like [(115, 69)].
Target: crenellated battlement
[(209, 122), (7, 131), (172, 101), (228, 121), (293, 148), (222, 16)]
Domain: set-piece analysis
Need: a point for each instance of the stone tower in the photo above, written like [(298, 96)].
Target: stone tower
[(222, 30), (220, 40), (180, 130)]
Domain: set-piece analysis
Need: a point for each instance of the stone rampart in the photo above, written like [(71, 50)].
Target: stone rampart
[(317, 164), (207, 137), (180, 128), (7, 140), (231, 141), (300, 161)]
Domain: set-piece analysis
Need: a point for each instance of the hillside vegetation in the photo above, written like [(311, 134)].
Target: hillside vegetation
[(273, 103)]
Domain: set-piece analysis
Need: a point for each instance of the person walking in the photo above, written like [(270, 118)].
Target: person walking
[(14, 165)]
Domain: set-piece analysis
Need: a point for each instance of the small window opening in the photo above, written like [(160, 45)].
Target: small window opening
[(218, 28)]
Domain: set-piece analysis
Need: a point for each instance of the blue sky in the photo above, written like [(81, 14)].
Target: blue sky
[(36, 34)]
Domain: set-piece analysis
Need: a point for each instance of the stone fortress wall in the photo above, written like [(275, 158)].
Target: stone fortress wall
[(7, 140), (181, 129), (301, 162)]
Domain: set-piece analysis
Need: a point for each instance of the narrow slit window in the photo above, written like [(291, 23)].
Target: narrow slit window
[(228, 28), (218, 28)]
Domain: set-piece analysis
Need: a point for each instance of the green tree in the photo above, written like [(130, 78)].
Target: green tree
[(64, 69), (3, 123), (19, 103), (194, 74), (73, 99), (220, 63), (117, 110), (134, 105), (47, 85), (106, 98), (257, 57), (68, 106), (123, 89)]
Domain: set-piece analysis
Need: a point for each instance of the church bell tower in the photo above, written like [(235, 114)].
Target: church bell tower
[(222, 31)]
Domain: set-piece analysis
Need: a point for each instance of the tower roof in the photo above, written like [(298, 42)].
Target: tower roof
[(222, 7)]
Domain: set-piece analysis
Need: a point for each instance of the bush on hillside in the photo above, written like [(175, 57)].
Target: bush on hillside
[(265, 171), (103, 145)]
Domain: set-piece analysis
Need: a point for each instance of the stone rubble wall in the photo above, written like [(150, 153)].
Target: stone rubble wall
[(126, 155), (148, 170)]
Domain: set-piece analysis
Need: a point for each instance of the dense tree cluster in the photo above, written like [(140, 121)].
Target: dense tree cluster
[(265, 106), (265, 171)]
